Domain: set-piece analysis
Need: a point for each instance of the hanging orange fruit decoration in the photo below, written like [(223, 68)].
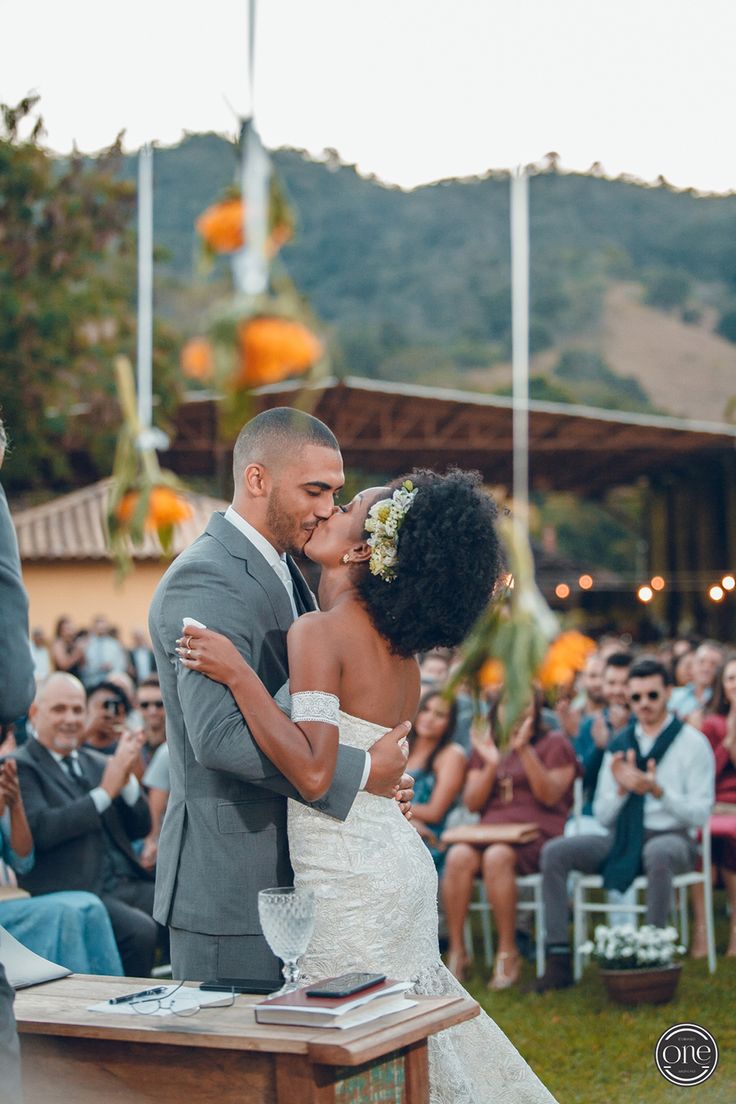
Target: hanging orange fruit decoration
[(164, 507), (272, 349), (220, 226), (565, 657), (197, 359)]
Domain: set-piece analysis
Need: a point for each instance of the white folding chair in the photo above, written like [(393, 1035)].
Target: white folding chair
[(582, 906), (535, 906)]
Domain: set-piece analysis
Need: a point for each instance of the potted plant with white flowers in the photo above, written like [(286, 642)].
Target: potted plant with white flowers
[(637, 964)]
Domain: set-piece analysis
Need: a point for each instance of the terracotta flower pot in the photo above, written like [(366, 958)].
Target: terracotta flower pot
[(652, 986)]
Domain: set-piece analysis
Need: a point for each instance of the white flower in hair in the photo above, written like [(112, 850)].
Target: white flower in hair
[(383, 523)]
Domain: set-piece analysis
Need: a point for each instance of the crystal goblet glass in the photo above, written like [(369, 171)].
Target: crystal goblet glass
[(287, 921)]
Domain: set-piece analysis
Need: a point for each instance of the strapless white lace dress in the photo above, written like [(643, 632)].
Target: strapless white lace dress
[(376, 890)]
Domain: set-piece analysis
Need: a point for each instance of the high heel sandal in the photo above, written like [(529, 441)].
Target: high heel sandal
[(506, 971)]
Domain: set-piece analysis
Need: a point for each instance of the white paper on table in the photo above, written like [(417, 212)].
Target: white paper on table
[(23, 966), (184, 1000)]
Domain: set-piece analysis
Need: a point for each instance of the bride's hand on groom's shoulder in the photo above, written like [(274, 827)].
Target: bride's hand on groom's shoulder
[(209, 653), (388, 760)]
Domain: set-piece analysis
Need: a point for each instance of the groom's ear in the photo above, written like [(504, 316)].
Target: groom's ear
[(255, 480)]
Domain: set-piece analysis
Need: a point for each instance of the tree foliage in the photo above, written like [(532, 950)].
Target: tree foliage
[(67, 289)]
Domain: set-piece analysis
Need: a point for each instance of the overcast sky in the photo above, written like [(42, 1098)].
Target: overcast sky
[(411, 90)]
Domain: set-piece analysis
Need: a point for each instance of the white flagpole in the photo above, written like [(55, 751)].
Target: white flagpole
[(145, 287), (519, 201)]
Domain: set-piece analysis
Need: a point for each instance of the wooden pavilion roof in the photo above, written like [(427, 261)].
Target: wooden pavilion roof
[(390, 427)]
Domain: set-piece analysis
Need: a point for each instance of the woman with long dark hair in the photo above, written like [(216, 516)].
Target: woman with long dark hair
[(437, 765)]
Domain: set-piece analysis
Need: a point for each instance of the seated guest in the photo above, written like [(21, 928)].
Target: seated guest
[(71, 928), (141, 663), (434, 669), (655, 787), (83, 810), (68, 647), (103, 654), (719, 727), (153, 718), (689, 702), (530, 783), (107, 709), (597, 730), (438, 768)]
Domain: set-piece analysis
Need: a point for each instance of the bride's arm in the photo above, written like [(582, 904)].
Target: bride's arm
[(306, 753)]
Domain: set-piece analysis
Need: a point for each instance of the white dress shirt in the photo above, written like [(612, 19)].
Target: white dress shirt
[(686, 774), (277, 561), (101, 798)]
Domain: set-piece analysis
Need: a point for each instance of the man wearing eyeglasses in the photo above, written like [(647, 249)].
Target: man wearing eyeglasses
[(655, 789)]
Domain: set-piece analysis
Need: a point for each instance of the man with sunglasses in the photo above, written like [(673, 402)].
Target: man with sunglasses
[(655, 789), (107, 710)]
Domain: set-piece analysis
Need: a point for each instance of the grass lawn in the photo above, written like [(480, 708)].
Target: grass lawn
[(588, 1050)]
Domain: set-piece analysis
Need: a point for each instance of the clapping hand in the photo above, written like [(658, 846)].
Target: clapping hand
[(481, 739), (599, 731), (522, 737), (120, 766), (630, 779), (9, 788)]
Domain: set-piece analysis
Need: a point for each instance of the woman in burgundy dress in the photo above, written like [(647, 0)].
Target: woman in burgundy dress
[(532, 782), (719, 726)]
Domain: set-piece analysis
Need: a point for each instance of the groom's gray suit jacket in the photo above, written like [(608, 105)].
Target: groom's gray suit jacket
[(224, 833)]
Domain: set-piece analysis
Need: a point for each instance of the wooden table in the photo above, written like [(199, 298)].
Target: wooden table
[(72, 1056)]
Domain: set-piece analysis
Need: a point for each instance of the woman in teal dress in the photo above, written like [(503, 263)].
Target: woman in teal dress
[(438, 766), (70, 928)]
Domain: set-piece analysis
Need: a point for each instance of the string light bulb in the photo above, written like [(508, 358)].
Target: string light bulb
[(716, 593), (645, 594), (562, 590), (657, 583), (728, 582), (585, 582)]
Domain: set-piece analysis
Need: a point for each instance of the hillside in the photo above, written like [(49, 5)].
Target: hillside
[(629, 282)]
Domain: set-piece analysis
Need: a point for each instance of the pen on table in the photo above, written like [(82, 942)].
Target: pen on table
[(155, 992)]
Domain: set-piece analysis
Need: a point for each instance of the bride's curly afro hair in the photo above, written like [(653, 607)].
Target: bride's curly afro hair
[(448, 561)]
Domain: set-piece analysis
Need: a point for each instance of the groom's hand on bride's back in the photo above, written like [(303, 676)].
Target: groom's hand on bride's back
[(388, 760)]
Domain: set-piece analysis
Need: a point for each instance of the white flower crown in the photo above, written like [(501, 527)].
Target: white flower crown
[(383, 523)]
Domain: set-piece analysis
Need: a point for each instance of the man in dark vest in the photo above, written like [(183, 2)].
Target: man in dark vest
[(655, 788)]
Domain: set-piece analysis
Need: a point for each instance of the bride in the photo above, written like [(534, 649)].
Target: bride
[(405, 568)]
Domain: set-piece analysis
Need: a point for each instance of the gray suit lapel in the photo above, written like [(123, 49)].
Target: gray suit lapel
[(238, 545), (49, 766)]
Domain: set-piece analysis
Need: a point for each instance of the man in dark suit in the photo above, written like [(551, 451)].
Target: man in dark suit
[(83, 810), (17, 685)]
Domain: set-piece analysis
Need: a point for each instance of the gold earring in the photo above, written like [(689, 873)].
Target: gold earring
[(346, 558)]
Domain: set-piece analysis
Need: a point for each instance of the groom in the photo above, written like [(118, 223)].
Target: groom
[(224, 835)]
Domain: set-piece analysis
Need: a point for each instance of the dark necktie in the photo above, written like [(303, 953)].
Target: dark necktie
[(72, 768)]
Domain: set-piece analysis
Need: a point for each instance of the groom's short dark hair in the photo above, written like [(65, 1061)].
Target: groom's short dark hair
[(278, 433)]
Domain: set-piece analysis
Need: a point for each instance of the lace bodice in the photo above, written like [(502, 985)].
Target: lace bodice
[(376, 889)]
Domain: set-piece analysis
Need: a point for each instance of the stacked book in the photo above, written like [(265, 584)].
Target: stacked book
[(300, 1010)]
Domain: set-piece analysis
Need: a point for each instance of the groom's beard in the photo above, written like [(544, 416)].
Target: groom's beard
[(286, 531)]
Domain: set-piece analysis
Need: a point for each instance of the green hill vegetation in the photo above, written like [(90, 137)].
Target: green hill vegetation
[(633, 287)]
